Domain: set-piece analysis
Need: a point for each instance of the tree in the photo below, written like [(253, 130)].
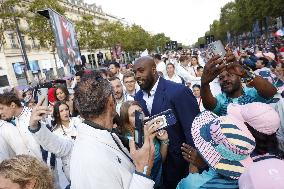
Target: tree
[(89, 36), (159, 40), (139, 39), (9, 13), (113, 33), (40, 28)]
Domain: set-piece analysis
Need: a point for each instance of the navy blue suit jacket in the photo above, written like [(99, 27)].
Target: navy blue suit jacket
[(170, 95)]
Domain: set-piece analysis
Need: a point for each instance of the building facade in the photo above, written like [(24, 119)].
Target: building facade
[(43, 62)]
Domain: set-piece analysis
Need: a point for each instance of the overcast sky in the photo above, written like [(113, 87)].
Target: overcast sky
[(182, 20)]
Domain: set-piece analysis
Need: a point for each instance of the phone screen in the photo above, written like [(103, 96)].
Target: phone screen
[(139, 129)]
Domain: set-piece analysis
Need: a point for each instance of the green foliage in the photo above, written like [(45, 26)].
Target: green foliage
[(8, 14), (39, 26), (112, 33), (239, 16), (159, 40), (89, 36)]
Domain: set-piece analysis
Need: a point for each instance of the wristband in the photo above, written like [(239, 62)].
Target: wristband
[(250, 75), (165, 142), (35, 130), (144, 173)]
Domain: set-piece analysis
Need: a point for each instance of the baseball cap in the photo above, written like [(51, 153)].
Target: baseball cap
[(260, 116)]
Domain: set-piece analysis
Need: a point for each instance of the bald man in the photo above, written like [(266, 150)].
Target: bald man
[(156, 95)]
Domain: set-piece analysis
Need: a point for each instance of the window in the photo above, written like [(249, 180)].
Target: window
[(4, 81), (12, 41)]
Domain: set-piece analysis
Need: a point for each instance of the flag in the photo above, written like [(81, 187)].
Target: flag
[(279, 33)]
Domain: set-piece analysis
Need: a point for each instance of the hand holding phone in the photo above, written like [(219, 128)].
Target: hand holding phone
[(38, 113), (217, 48), (139, 129)]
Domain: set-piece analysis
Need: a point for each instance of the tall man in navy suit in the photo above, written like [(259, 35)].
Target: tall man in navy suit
[(157, 95)]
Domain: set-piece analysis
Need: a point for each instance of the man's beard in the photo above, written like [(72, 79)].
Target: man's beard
[(148, 83)]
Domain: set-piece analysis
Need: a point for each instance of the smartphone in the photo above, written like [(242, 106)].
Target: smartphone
[(165, 119), (217, 48), (139, 129), (43, 92)]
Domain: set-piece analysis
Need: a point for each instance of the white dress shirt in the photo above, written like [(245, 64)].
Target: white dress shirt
[(125, 97), (20, 138), (6, 152), (193, 70), (149, 99), (175, 78), (66, 132), (184, 73)]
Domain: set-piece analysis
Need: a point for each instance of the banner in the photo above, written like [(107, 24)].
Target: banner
[(65, 38)]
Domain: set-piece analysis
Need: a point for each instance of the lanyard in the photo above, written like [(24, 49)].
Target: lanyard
[(199, 102), (97, 126)]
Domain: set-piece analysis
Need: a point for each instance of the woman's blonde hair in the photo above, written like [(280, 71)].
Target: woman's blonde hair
[(23, 168)]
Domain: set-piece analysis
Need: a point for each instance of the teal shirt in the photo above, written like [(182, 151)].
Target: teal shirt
[(250, 95), (207, 179), (156, 172)]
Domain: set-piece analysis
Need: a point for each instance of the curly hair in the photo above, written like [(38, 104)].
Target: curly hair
[(91, 96), (23, 168)]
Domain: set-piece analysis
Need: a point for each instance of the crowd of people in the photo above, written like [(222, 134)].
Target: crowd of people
[(228, 130)]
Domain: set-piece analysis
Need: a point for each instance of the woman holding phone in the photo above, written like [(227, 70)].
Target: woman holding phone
[(127, 115)]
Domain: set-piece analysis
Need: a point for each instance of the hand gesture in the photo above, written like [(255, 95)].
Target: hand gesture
[(232, 65), (192, 156), (144, 157), (212, 69), (38, 113)]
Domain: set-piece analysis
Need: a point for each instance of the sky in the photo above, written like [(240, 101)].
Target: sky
[(181, 20)]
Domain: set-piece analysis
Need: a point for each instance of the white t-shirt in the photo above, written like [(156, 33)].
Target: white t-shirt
[(193, 70)]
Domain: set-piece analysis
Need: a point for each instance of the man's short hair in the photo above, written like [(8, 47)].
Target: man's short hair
[(196, 86), (158, 56), (116, 64), (8, 97), (113, 78), (128, 74), (91, 96), (171, 64)]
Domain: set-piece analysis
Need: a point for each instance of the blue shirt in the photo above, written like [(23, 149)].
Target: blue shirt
[(250, 95), (207, 179)]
